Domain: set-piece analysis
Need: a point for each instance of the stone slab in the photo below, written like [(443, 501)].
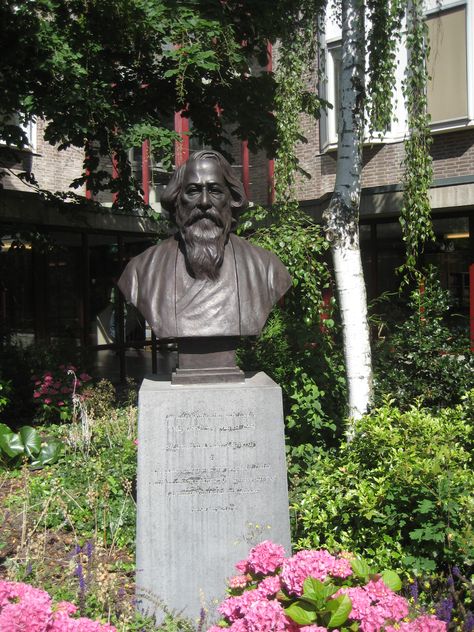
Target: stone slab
[(211, 484)]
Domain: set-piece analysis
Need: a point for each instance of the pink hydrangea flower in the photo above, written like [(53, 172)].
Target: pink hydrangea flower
[(234, 608), (374, 604), (269, 586), (239, 626), (24, 608), (317, 564), (265, 558), (242, 566), (267, 616), (238, 581)]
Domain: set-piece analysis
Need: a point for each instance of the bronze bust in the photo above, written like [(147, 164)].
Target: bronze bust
[(205, 282)]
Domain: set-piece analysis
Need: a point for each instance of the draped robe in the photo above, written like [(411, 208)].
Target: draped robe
[(250, 282)]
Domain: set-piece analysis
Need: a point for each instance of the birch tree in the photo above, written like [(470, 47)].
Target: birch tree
[(342, 216), (371, 32)]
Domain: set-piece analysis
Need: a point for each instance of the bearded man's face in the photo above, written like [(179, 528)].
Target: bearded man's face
[(204, 217)]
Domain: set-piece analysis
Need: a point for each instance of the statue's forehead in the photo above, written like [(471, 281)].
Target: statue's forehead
[(201, 171)]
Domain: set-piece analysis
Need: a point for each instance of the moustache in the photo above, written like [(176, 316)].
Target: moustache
[(197, 214)]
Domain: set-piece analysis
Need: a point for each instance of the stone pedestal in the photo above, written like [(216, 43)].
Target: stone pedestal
[(211, 484)]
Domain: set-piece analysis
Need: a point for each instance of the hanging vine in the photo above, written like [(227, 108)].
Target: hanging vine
[(385, 19), (296, 59), (415, 216)]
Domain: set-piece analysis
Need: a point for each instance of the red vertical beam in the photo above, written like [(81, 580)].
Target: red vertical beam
[(421, 290), (271, 162), (114, 175), (181, 148), (146, 171), (471, 304), (245, 167)]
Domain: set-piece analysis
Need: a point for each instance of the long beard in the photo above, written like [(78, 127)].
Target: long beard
[(204, 235)]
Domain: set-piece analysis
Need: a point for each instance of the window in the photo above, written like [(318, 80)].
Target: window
[(17, 121), (334, 62), (329, 89), (447, 90), (158, 175)]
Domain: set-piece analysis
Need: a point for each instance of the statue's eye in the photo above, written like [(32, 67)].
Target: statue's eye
[(192, 190)]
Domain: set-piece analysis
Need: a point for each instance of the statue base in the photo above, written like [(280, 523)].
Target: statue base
[(207, 361), (211, 483)]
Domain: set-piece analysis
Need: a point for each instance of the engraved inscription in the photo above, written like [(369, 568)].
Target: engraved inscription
[(212, 487)]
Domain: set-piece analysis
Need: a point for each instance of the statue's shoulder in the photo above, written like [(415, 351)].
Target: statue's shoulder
[(155, 253)]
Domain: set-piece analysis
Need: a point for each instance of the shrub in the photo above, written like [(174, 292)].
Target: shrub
[(315, 591), (54, 392), (401, 493), (424, 356)]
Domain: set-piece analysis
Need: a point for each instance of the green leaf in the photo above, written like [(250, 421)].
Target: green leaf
[(392, 580), (49, 452), (340, 607), (31, 440), (12, 444), (4, 429), (360, 568), (301, 612), (314, 590)]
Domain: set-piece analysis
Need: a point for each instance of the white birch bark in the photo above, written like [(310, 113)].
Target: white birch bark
[(342, 216)]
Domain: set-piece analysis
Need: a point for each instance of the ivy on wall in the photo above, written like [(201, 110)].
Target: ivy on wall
[(415, 216)]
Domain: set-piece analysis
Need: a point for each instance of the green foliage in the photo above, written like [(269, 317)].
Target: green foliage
[(385, 20), (27, 444), (298, 347), (415, 216), (90, 488), (5, 393), (296, 61), (422, 357), (317, 606), (401, 493)]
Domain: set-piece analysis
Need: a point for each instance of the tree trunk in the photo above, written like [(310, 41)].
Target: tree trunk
[(342, 216)]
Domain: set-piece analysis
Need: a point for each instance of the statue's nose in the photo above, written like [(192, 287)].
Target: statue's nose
[(204, 200)]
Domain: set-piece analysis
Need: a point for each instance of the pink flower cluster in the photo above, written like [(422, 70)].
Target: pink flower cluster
[(317, 564), (263, 559), (374, 604), (24, 608), (53, 390), (266, 578)]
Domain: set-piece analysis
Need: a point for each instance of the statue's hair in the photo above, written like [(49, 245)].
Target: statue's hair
[(170, 195)]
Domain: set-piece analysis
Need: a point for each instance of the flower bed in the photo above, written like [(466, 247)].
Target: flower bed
[(315, 591)]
